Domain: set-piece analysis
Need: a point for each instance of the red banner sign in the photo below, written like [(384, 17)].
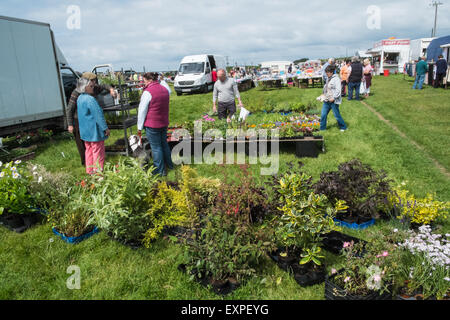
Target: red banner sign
[(392, 43)]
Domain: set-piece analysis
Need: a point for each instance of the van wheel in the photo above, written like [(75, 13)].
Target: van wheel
[(205, 88)]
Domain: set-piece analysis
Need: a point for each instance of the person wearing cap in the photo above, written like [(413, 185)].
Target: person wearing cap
[(71, 112)]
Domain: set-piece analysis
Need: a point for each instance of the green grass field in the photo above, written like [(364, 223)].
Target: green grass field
[(33, 264)]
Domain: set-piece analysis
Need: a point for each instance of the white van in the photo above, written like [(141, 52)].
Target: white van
[(194, 73)]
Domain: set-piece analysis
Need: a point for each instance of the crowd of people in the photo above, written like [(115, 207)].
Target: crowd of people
[(85, 118)]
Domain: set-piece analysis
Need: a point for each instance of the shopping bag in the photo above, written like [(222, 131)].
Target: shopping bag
[(362, 88), (244, 114)]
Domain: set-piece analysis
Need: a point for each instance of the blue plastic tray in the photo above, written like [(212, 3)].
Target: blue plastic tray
[(74, 240), (354, 225)]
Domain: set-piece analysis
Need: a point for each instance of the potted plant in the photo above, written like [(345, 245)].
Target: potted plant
[(367, 273), (119, 201), (72, 219), (305, 218), (364, 190), (16, 203), (424, 271), (228, 243), (415, 212)]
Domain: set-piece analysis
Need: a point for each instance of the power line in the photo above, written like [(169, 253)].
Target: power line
[(435, 4)]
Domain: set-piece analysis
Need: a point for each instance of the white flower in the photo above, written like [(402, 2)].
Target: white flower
[(50, 240), (18, 162), (34, 168), (7, 165), (40, 180), (1, 163), (2, 174), (395, 230), (15, 175), (13, 169)]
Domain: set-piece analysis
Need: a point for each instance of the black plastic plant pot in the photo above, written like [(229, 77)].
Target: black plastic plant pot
[(335, 292), (12, 220), (334, 241), (20, 222), (222, 287), (306, 148), (305, 275)]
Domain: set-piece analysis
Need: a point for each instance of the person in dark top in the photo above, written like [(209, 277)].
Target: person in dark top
[(441, 71), (355, 78)]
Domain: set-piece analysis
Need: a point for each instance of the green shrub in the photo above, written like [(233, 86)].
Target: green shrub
[(14, 193), (119, 200)]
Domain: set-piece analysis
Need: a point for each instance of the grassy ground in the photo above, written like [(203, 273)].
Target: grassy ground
[(34, 264)]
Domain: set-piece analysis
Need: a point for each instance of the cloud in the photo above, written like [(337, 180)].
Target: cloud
[(157, 34)]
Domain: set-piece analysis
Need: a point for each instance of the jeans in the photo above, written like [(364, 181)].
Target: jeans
[(94, 154), (160, 150), (351, 86), (327, 106), (419, 81)]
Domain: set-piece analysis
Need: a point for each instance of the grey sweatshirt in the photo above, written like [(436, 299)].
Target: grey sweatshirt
[(332, 89), (225, 91)]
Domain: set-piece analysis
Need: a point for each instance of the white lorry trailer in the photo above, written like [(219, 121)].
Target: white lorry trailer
[(33, 78), (194, 73)]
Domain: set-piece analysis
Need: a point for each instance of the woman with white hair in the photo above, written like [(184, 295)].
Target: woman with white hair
[(368, 71), (93, 128)]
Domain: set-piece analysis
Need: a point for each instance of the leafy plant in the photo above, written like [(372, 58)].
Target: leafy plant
[(425, 263), (306, 216), (372, 266), (119, 200), (410, 209), (73, 216), (228, 241), (364, 190), (14, 194), (49, 189)]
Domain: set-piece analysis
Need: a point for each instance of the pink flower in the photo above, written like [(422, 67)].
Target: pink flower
[(347, 279), (333, 271), (377, 278), (385, 254), (346, 244)]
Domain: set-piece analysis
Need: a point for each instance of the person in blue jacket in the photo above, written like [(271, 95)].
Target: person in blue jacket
[(93, 128)]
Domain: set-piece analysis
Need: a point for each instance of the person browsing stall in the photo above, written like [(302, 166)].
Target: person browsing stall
[(224, 94), (153, 115)]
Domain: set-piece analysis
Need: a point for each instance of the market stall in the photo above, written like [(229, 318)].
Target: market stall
[(390, 55)]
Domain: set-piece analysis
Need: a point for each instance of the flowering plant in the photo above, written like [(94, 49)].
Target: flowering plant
[(417, 210), (369, 267), (14, 195), (425, 263)]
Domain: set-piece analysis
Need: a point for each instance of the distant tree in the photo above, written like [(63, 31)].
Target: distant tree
[(301, 60)]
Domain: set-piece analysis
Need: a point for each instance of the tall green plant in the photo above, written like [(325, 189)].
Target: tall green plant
[(306, 216), (119, 201)]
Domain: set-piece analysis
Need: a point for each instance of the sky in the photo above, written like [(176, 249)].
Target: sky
[(156, 34)]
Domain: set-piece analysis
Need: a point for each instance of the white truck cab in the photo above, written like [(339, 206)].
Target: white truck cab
[(194, 73)]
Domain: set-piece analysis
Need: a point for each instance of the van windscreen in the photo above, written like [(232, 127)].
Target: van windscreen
[(193, 67)]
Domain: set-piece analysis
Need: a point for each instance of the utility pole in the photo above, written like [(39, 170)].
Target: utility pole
[(435, 4)]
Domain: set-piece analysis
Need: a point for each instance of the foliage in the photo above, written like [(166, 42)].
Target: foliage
[(372, 266), (228, 242), (306, 216), (72, 216), (363, 189), (49, 189), (425, 263), (170, 207), (14, 182), (119, 199), (408, 208)]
